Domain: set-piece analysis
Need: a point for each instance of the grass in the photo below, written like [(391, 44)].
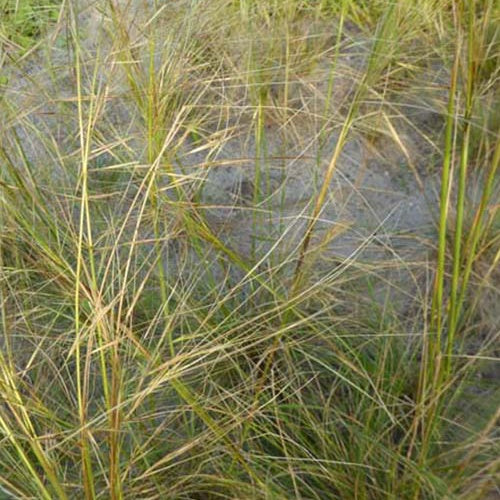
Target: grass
[(191, 304), (22, 22)]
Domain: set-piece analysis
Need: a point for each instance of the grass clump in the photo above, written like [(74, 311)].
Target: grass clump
[(212, 284)]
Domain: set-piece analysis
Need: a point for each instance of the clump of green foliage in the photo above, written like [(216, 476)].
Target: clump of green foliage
[(22, 22)]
